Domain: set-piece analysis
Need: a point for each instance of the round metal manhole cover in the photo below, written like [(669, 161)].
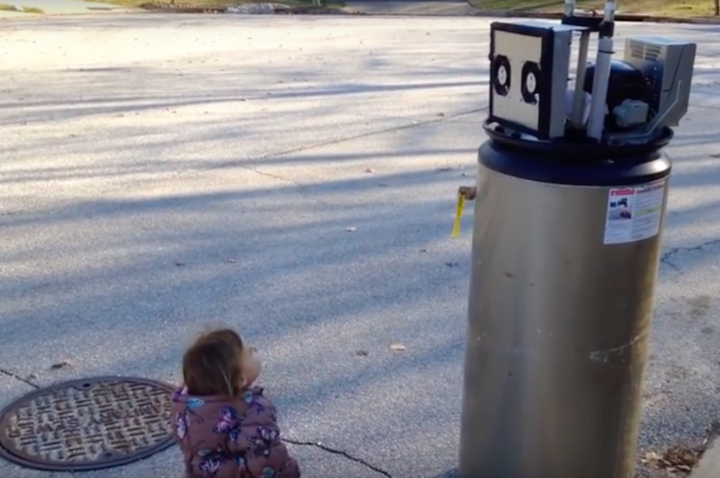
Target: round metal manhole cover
[(87, 424)]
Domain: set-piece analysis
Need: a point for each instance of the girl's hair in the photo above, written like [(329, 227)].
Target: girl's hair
[(213, 364)]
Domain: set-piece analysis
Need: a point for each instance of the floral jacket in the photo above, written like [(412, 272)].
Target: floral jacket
[(223, 438)]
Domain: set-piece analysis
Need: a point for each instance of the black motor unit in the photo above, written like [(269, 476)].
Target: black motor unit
[(626, 83)]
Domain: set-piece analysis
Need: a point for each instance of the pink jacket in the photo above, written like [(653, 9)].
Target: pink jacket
[(225, 438)]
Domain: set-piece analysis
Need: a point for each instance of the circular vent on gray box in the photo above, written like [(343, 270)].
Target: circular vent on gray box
[(530, 82), (501, 74)]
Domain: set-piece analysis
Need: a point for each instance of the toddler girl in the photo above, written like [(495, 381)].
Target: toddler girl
[(225, 426)]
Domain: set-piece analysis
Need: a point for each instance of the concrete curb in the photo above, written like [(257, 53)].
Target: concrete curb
[(248, 9), (709, 466), (619, 18)]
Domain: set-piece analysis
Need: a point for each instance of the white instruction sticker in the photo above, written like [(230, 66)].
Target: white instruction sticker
[(634, 213)]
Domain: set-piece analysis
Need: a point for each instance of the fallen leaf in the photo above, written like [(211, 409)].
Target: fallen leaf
[(179, 264), (397, 347), (651, 458), (351, 229), (677, 459), (679, 456), (362, 353), (369, 170)]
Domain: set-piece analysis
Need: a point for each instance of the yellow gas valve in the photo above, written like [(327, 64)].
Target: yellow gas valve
[(464, 193)]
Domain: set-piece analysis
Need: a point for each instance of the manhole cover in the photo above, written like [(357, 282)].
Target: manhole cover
[(87, 424)]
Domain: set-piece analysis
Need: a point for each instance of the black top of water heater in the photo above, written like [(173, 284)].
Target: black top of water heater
[(576, 162)]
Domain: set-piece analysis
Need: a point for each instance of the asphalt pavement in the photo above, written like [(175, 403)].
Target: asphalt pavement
[(294, 177)]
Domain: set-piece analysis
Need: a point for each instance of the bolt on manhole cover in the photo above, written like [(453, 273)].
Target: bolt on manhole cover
[(87, 424)]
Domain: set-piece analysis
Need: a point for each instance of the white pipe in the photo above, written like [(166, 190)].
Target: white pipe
[(576, 117), (601, 79), (598, 107), (569, 7), (609, 11)]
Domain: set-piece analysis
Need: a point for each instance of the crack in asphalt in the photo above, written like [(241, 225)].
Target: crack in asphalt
[(341, 453), (667, 257), (17, 377), (302, 188), (331, 142)]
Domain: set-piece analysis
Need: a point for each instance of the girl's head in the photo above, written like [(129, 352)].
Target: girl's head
[(219, 363)]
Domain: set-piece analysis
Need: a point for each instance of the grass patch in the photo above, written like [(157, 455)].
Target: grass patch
[(210, 4), (670, 8), (9, 8)]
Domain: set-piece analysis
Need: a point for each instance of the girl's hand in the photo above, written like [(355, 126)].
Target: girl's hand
[(253, 367)]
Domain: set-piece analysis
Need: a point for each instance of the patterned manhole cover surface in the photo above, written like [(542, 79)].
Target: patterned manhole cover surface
[(87, 424)]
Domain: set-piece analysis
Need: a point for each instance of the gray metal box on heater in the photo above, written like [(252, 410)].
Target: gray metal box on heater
[(668, 68), (530, 64)]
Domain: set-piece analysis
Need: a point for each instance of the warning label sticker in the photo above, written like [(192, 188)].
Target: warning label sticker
[(634, 213)]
